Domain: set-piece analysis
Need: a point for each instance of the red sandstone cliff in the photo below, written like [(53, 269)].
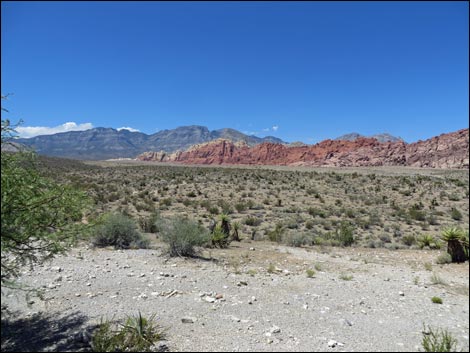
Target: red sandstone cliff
[(445, 151)]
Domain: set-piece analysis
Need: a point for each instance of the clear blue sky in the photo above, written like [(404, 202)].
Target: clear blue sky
[(315, 70)]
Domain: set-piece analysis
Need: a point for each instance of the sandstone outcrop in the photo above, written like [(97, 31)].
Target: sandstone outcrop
[(444, 151)]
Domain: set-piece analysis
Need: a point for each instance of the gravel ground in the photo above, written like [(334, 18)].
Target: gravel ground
[(233, 300)]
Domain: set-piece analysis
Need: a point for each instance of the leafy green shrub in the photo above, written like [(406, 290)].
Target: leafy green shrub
[(137, 334), (439, 341), (436, 300), (345, 234), (119, 231), (183, 235)]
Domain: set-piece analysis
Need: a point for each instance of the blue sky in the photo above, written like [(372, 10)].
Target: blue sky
[(296, 70)]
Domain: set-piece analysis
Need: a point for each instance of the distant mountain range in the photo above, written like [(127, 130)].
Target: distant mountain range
[(380, 137), (106, 143)]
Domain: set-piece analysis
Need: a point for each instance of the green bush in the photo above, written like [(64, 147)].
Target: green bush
[(119, 231), (436, 300), (345, 234), (439, 341), (137, 334), (276, 233), (183, 235)]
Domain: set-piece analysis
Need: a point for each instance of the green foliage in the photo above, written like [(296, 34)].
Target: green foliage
[(436, 300), (183, 235), (310, 273), (427, 240), (120, 231), (344, 234), (137, 334), (39, 218), (276, 233), (438, 341), (457, 243)]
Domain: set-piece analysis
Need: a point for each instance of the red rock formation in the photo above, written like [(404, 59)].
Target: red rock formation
[(444, 151)]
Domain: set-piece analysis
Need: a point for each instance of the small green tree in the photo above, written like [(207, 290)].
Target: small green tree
[(39, 218)]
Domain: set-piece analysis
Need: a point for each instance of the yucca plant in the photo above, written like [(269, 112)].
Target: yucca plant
[(455, 239), (138, 334), (236, 227)]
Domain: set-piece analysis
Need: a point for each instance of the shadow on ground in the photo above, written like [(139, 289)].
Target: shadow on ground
[(45, 332)]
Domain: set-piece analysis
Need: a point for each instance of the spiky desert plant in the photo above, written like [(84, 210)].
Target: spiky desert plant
[(454, 237), (236, 227), (225, 223)]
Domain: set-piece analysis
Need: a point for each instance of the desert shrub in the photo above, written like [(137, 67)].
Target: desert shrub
[(309, 224), (297, 240), (310, 273), (444, 259), (182, 236), (276, 233), (119, 231), (252, 221), (149, 224), (417, 214), (438, 341), (436, 300), (240, 207), (344, 234), (455, 214), (225, 206), (408, 239), (385, 238), (137, 334), (213, 210)]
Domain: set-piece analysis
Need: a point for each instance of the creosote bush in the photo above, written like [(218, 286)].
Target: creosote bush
[(182, 236), (119, 231)]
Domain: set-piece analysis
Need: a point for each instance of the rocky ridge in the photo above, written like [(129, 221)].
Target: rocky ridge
[(449, 150)]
